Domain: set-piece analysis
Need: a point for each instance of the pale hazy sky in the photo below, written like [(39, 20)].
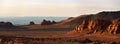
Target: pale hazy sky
[(56, 7)]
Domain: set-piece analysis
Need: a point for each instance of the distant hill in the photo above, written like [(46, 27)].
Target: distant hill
[(76, 20), (105, 15)]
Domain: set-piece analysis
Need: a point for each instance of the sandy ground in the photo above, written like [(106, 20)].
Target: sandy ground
[(35, 34), (37, 31)]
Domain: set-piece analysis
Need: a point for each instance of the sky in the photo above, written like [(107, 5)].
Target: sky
[(56, 7)]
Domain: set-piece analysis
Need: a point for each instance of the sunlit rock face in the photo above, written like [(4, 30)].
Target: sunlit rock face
[(114, 27), (102, 22), (94, 26)]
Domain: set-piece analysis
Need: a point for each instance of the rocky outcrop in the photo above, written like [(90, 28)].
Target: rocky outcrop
[(31, 23), (47, 22), (94, 26), (53, 22), (114, 27), (6, 24), (102, 22)]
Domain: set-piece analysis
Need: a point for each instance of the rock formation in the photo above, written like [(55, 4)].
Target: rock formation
[(80, 27), (6, 24), (101, 26), (53, 22), (113, 28), (101, 22), (47, 22), (32, 23)]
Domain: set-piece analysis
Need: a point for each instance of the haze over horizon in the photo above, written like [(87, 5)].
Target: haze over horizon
[(56, 7)]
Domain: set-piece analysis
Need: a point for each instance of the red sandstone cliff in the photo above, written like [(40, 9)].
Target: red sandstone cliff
[(103, 22)]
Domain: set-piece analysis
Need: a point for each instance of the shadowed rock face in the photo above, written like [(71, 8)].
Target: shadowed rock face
[(102, 22), (6, 24), (110, 15), (45, 22), (32, 23)]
